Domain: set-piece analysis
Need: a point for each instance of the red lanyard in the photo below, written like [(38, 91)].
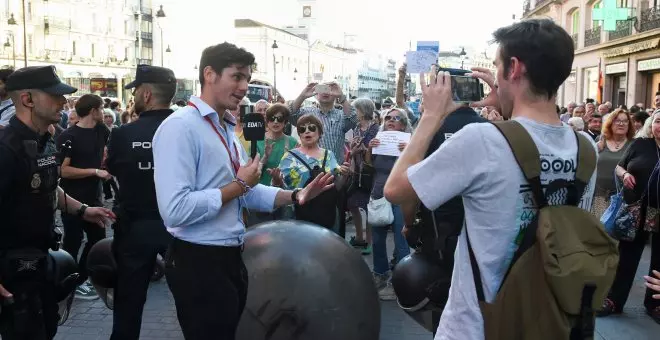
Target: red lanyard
[(234, 160)]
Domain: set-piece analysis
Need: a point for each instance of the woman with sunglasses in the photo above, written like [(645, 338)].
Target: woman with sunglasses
[(271, 150), (302, 164), (394, 120)]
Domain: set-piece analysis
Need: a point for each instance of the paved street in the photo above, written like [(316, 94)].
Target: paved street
[(91, 320)]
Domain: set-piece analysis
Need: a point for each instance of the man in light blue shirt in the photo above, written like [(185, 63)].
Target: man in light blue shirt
[(201, 188)]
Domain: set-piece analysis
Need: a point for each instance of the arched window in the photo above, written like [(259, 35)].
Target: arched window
[(575, 22)]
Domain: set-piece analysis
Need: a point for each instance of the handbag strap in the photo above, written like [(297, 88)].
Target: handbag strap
[(301, 160)]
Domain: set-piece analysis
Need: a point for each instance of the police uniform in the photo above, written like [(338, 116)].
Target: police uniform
[(139, 232), (28, 200)]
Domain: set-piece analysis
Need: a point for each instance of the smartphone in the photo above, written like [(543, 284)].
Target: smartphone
[(466, 89), (322, 88)]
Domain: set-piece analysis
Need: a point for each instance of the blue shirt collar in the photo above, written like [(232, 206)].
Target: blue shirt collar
[(205, 109)]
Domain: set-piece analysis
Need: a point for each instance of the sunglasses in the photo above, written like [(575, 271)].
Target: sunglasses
[(394, 118), (303, 129), (278, 119)]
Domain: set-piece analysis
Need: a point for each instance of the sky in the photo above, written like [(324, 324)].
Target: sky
[(382, 28)]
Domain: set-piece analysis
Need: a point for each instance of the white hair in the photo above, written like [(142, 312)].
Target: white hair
[(577, 122)]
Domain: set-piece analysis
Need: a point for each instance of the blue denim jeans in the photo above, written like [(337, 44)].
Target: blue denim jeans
[(381, 263)]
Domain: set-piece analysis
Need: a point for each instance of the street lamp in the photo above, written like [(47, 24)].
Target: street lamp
[(12, 22), (274, 70), (161, 14), (463, 56)]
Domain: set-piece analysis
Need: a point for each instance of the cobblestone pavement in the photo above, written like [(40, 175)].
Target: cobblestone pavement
[(91, 320)]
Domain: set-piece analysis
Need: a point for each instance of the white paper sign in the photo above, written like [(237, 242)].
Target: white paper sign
[(420, 61), (389, 143)]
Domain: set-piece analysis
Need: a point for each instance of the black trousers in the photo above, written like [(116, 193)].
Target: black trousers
[(34, 314), (136, 245), (629, 255), (209, 285), (73, 235)]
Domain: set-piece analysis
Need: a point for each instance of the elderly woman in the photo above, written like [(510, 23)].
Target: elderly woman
[(261, 106), (617, 134), (577, 123), (300, 165), (638, 169), (360, 188), (394, 120)]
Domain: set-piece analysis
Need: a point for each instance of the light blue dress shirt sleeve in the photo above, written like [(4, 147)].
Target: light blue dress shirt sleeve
[(175, 152), (261, 198)]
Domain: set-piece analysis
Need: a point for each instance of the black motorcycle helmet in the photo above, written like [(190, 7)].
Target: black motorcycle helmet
[(421, 283), (102, 269), (63, 272)]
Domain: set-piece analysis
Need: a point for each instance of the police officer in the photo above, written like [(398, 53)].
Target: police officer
[(139, 232), (29, 195), (439, 229)]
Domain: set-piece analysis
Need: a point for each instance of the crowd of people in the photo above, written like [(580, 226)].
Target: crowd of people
[(182, 172)]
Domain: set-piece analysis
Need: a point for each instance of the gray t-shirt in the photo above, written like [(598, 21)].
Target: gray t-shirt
[(607, 161), (477, 164)]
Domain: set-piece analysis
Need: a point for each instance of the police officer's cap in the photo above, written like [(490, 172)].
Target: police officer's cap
[(42, 78), (147, 74)]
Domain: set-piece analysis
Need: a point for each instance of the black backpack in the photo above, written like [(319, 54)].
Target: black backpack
[(322, 209)]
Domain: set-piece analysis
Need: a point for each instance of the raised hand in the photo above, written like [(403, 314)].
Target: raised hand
[(277, 178), (437, 95), (321, 183), (373, 143), (251, 172), (487, 76), (308, 91)]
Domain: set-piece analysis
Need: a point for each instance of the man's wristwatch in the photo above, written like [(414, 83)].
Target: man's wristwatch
[(294, 196), (81, 210)]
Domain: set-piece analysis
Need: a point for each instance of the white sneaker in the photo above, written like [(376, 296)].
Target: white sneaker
[(86, 292), (387, 293)]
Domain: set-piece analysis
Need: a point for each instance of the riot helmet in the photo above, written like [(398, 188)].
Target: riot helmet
[(102, 269)]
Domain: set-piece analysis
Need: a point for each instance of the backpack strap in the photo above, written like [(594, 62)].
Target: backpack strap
[(301, 160), (478, 285), (526, 154), (586, 165)]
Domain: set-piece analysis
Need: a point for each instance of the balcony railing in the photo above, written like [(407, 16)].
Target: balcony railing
[(623, 29), (649, 19), (575, 41), (592, 36), (144, 35), (58, 54)]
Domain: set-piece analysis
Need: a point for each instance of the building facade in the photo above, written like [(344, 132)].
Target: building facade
[(294, 62), (627, 59), (92, 43)]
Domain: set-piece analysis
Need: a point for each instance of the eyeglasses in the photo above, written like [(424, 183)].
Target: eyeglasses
[(622, 122), (303, 129), (394, 118), (278, 119)]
